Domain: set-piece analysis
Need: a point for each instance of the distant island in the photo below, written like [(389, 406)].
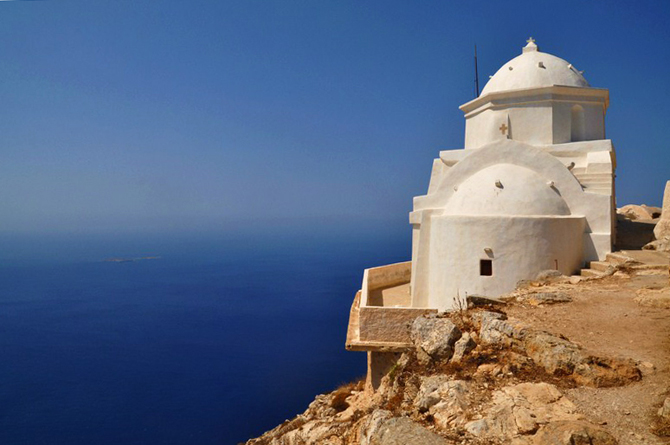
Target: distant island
[(130, 260)]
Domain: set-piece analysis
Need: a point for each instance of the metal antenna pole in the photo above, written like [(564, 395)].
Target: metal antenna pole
[(476, 75)]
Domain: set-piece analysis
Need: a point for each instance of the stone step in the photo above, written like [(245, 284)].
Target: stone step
[(603, 176), (600, 266), (591, 273), (596, 184), (594, 181), (651, 267), (591, 187), (617, 258), (594, 178), (597, 188), (601, 183), (598, 191)]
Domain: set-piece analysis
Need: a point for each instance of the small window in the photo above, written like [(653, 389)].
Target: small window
[(486, 268)]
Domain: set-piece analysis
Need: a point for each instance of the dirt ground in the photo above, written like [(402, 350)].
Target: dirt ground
[(605, 320)]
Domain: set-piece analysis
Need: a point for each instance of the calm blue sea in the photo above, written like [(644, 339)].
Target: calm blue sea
[(223, 337)]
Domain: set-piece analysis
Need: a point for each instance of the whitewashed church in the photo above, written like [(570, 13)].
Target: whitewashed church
[(532, 190)]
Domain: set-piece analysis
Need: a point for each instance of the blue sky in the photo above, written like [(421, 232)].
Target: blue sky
[(194, 115)]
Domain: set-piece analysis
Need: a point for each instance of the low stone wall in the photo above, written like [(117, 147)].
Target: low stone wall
[(389, 275), (388, 325), (379, 328), (384, 276)]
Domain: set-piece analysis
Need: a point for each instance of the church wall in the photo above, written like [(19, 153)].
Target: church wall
[(458, 244), (481, 129), (438, 171), (529, 123), (421, 223), (536, 194), (561, 122), (594, 122), (416, 233), (597, 246), (564, 120), (557, 126)]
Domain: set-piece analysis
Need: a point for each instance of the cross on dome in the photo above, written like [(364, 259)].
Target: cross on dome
[(531, 46)]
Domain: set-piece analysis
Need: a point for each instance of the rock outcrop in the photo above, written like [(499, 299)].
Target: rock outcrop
[(384, 429), (558, 356), (540, 298), (434, 338), (573, 433), (639, 212), (473, 377), (662, 228), (664, 411), (654, 297), (445, 400), (521, 410)]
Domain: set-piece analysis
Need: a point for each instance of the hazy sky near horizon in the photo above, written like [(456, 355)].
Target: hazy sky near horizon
[(188, 115)]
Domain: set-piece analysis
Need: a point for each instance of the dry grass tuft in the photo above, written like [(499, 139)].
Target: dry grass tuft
[(340, 395)]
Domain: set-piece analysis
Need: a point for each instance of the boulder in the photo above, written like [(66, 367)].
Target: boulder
[(662, 229), (478, 317), (561, 357), (635, 212), (463, 346), (429, 392), (446, 400), (373, 423), (434, 337), (481, 300), (401, 431), (664, 411), (550, 275), (666, 201), (522, 409), (659, 298), (576, 279), (573, 433), (662, 245), (654, 211), (501, 332), (547, 298), (556, 355), (604, 372)]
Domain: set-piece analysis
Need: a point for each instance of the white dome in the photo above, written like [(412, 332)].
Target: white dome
[(506, 189), (534, 69)]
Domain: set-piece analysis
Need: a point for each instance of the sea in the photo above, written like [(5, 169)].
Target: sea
[(177, 338)]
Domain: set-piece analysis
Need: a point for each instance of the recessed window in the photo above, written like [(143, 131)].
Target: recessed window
[(577, 125), (486, 268)]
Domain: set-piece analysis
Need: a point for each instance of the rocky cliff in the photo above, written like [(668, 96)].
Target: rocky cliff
[(560, 361)]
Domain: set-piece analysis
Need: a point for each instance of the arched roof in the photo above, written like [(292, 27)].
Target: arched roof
[(506, 189), (534, 69)]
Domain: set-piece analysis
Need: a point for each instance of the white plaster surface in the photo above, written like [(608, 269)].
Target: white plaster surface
[(520, 191), (540, 116), (532, 190), (539, 99), (458, 243), (534, 69)]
